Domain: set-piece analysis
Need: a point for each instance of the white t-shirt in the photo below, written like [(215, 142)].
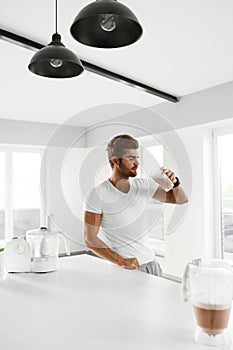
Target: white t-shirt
[(123, 223)]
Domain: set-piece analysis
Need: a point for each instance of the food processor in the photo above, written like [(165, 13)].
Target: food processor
[(44, 245)]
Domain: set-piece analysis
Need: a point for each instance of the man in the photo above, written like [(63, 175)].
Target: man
[(118, 207)]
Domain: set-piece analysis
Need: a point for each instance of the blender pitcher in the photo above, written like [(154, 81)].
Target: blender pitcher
[(44, 245), (208, 284)]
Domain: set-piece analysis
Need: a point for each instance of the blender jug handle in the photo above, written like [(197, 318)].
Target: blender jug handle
[(66, 244), (184, 285), (185, 279)]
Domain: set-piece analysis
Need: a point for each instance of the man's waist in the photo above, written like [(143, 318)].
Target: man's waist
[(143, 256)]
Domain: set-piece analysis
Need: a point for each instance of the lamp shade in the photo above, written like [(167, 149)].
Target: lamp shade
[(106, 24), (55, 61)]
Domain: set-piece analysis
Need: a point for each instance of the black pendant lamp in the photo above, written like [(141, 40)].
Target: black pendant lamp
[(55, 60), (106, 24)]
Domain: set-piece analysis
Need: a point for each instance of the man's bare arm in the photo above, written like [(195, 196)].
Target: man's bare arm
[(174, 196), (92, 224)]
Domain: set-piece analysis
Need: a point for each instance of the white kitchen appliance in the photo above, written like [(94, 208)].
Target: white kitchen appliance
[(44, 244), (37, 252), (17, 255)]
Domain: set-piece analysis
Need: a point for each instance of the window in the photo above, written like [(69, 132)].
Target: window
[(225, 146), (26, 192), (20, 186), (2, 195)]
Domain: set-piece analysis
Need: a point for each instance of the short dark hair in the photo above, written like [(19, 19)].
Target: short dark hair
[(118, 144)]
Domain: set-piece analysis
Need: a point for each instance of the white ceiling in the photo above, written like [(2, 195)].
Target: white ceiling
[(187, 46)]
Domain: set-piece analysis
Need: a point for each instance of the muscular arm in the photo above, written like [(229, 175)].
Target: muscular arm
[(174, 196), (92, 224)]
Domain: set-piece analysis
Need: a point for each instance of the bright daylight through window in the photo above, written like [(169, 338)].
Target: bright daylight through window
[(2, 194), (19, 192), (26, 192), (226, 180)]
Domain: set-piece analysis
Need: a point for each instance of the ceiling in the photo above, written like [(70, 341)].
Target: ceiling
[(186, 47)]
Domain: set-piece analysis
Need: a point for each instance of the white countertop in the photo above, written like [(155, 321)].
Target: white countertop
[(92, 304)]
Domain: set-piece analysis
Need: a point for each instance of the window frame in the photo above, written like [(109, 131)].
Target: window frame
[(219, 247), (8, 184)]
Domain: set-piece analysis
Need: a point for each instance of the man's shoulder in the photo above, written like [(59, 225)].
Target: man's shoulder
[(100, 188), (102, 185), (95, 198)]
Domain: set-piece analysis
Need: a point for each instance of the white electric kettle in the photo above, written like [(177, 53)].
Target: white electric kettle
[(44, 244)]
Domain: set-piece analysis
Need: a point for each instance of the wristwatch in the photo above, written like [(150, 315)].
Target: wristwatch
[(177, 182)]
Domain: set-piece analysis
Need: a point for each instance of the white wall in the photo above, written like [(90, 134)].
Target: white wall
[(194, 235), (209, 105), (64, 199), (38, 134)]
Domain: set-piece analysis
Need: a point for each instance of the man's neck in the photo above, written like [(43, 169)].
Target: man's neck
[(121, 183)]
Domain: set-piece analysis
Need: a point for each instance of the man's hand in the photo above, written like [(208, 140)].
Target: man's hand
[(129, 263), (170, 174), (175, 196)]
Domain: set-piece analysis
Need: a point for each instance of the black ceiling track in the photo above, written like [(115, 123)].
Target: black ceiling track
[(30, 44)]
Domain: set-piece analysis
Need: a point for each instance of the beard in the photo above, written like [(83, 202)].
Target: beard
[(126, 172), (133, 173)]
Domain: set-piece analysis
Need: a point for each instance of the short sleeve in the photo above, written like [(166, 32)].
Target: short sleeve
[(93, 202)]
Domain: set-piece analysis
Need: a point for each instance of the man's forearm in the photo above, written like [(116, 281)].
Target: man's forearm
[(102, 250), (179, 195)]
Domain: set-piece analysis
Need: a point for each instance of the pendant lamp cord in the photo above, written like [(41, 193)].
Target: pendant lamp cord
[(56, 14)]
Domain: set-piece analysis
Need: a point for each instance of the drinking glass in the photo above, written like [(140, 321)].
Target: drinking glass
[(152, 169)]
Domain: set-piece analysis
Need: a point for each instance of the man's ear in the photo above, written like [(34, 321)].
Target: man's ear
[(115, 161)]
